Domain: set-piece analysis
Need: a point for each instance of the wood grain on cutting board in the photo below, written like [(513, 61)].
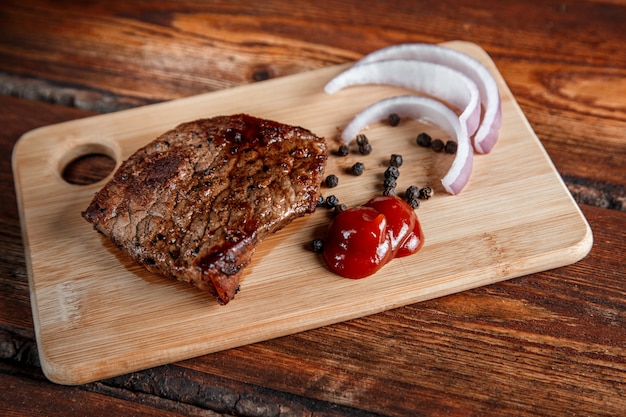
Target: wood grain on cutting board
[(98, 315)]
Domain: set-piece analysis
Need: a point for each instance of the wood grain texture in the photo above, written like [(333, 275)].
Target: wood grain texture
[(87, 299), (550, 54), (18, 394)]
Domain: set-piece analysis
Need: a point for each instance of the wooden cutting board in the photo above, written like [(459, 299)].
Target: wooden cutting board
[(98, 315)]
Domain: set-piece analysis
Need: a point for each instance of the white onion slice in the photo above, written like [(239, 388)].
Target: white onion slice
[(437, 80), (487, 134), (430, 111)]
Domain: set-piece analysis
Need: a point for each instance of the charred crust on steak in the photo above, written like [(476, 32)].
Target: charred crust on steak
[(194, 203)]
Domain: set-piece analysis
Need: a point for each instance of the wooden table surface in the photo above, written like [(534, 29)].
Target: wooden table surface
[(547, 344)]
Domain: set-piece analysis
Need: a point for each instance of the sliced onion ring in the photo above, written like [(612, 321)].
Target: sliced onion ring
[(437, 80), (487, 134), (430, 111)]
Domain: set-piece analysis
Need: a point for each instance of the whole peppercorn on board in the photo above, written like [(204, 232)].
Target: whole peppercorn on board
[(98, 315)]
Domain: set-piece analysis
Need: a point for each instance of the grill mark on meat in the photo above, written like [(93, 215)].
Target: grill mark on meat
[(194, 203)]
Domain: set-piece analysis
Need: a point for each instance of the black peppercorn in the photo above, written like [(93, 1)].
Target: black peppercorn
[(411, 196), (412, 192), (437, 145), (343, 150), (332, 181), (365, 149), (393, 119), (389, 192), (317, 245), (339, 208), (450, 147), (425, 193), (332, 201), (413, 202), (423, 139), (357, 168), (395, 160), (392, 172), (363, 143), (390, 182), (361, 139)]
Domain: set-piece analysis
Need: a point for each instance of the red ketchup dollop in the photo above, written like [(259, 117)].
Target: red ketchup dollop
[(362, 239)]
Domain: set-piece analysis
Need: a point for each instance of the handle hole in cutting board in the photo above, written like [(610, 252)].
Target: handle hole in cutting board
[(87, 164)]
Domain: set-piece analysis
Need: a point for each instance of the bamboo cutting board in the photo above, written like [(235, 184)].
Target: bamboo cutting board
[(98, 315)]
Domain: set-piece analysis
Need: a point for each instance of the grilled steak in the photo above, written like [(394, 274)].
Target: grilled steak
[(194, 203)]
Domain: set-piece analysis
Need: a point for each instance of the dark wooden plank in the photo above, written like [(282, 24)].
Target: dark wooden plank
[(150, 53), (23, 395), (226, 395)]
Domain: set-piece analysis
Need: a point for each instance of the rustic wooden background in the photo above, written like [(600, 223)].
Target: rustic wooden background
[(547, 344)]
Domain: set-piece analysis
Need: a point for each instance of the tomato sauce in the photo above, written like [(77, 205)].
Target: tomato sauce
[(362, 239)]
